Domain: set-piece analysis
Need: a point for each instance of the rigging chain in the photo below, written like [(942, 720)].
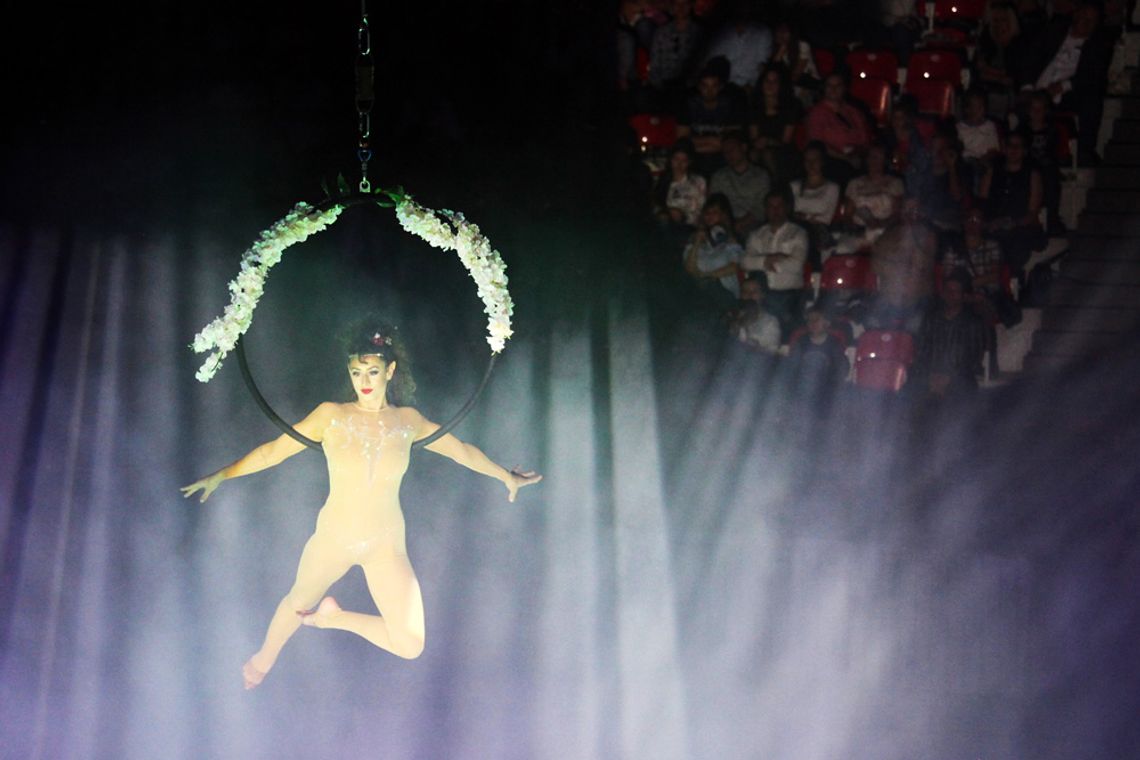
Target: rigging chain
[(365, 96)]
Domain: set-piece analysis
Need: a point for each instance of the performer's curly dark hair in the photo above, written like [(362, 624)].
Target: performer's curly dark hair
[(375, 336)]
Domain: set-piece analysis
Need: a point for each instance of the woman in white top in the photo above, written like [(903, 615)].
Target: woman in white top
[(815, 199), (872, 201), (684, 190)]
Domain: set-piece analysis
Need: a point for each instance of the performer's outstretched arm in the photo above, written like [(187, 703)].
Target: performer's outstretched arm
[(269, 454), (471, 457)]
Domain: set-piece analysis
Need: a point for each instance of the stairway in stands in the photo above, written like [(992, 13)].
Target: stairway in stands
[(1094, 301)]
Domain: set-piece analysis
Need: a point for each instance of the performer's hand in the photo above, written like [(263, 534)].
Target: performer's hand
[(517, 479), (206, 485)]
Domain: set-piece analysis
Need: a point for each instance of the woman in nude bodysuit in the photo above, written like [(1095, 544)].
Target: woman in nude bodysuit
[(367, 444)]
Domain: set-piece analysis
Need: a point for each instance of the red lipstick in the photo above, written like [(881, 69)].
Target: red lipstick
[(365, 390)]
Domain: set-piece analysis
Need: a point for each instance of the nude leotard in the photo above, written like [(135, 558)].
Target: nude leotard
[(367, 454)]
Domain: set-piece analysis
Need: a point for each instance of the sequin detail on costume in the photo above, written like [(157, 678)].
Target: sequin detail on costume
[(356, 437)]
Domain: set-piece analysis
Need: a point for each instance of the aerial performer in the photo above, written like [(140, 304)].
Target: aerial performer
[(367, 443)]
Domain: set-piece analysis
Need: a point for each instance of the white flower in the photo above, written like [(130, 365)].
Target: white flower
[(452, 232)]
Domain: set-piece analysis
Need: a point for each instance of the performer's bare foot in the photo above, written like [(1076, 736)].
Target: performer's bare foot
[(322, 614), (253, 672)]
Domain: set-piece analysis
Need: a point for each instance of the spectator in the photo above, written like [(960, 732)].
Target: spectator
[(751, 323), (815, 200), (910, 158), (902, 25), (793, 55), (951, 343), (1044, 147), (872, 201), (674, 45), (744, 184), (745, 44), (773, 128), (634, 33), (712, 255), (976, 254), (708, 115), (817, 362), (1073, 69), (841, 127), (1014, 193), (977, 133), (680, 194), (779, 249), (999, 59), (948, 190)]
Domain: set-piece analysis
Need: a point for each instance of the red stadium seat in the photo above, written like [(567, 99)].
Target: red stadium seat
[(882, 359), (934, 96), (970, 11), (848, 272), (824, 61), (925, 65), (876, 95), (653, 130), (877, 64)]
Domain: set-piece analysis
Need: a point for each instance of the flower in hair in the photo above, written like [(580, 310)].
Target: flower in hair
[(379, 340)]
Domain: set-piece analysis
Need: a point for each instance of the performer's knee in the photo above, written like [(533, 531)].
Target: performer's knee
[(408, 646)]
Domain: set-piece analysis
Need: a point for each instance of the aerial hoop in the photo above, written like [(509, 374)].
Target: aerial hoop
[(446, 230)]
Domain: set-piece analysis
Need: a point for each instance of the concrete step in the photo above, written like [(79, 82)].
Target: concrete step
[(1126, 130), (1076, 344), (1126, 272), (1066, 292), (1116, 177), (1100, 248), (1113, 201), (1110, 225), (1082, 319), (1122, 154)]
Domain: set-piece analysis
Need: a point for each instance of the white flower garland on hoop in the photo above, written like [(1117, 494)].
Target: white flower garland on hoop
[(483, 262)]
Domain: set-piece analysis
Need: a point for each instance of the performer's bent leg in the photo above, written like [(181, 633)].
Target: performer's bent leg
[(400, 627), (321, 565)]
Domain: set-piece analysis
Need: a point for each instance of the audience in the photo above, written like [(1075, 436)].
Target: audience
[(1013, 194), (779, 249), (680, 194), (744, 184), (707, 115), (712, 254), (674, 45), (977, 133), (841, 127), (775, 114), (951, 343), (999, 65), (818, 362), (745, 44), (752, 166), (1073, 69), (872, 202), (751, 323), (1044, 147), (793, 56), (815, 200)]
